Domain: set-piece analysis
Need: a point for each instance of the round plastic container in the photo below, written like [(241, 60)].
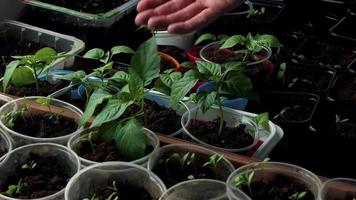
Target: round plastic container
[(163, 100), (248, 5), (76, 140), (182, 41), (231, 118), (5, 144), (57, 106), (262, 56), (268, 171), (200, 189), (65, 156), (224, 168), (338, 188), (96, 176), (4, 99)]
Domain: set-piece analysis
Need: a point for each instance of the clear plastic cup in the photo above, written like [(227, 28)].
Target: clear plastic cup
[(57, 106), (223, 170), (19, 155), (101, 175), (5, 144), (199, 189), (338, 189), (76, 140), (163, 100), (182, 41), (4, 99), (267, 171), (231, 118)]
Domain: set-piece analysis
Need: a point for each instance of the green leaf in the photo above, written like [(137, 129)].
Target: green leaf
[(204, 37), (104, 68), (212, 70), (121, 49), (233, 66), (48, 55), (131, 140), (187, 64), (95, 54), (10, 68), (269, 41), (96, 98), (251, 44), (136, 87), (107, 131), (262, 120), (169, 79), (237, 83), (161, 87), (74, 77), (181, 88), (146, 62), (44, 100), (23, 76), (233, 41), (206, 100), (112, 111), (120, 76)]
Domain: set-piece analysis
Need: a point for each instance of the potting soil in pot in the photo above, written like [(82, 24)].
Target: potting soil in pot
[(45, 89), (44, 125), (231, 137), (37, 177), (88, 6)]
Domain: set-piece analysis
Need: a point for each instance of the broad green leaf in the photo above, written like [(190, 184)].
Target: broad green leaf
[(206, 100), (161, 87), (74, 77), (44, 100), (223, 37), (169, 79), (233, 41), (212, 70), (95, 54), (136, 86), (251, 44), (237, 84), (121, 49), (23, 76), (48, 55), (233, 66), (205, 37), (96, 98), (104, 68), (131, 140), (146, 62), (112, 111), (187, 64), (181, 88), (120, 76), (107, 131), (269, 41), (10, 68), (262, 120), (106, 58)]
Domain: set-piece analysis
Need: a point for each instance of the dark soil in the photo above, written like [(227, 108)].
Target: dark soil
[(159, 119), (10, 48), (45, 89), (221, 56), (232, 138), (348, 91), (103, 151), (279, 189), (172, 173), (88, 6), (125, 192), (46, 178), (44, 126), (296, 113)]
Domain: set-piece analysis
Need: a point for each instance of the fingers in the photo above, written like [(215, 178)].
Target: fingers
[(197, 22), (184, 14), (149, 4)]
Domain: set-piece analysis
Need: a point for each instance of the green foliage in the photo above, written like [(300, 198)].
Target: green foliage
[(30, 165), (244, 180), (262, 120), (297, 196), (204, 37), (113, 196), (214, 160), (184, 161), (282, 72), (99, 54), (256, 12), (12, 190)]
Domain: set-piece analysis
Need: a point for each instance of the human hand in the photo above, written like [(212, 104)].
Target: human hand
[(181, 16)]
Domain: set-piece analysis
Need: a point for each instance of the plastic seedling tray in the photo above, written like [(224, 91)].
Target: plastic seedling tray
[(343, 90), (345, 28), (77, 18), (14, 30), (273, 10)]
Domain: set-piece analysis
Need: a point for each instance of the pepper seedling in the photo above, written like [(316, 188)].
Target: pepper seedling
[(297, 196), (214, 160), (31, 165), (244, 180), (187, 159), (15, 189), (256, 12), (113, 196)]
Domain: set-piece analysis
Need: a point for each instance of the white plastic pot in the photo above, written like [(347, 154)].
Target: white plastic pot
[(57, 106), (76, 140), (101, 175), (182, 41), (17, 156), (338, 188)]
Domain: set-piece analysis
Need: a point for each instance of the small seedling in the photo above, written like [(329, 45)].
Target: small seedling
[(285, 110), (244, 180), (339, 121), (113, 196), (282, 72), (214, 161), (256, 12), (30, 165), (297, 196), (94, 197), (184, 161), (22, 112), (46, 101), (15, 189), (262, 120)]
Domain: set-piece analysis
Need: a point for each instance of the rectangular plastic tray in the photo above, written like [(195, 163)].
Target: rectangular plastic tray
[(77, 18), (62, 43)]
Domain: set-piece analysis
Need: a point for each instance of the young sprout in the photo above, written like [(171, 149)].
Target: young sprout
[(214, 161), (94, 197), (15, 189), (297, 196), (257, 12), (115, 192), (46, 101), (30, 165), (186, 160), (284, 110), (262, 120), (244, 180), (339, 121), (282, 72), (11, 116)]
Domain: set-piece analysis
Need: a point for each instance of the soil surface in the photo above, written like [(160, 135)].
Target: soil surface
[(88, 6), (46, 89), (103, 151), (10, 48), (44, 126), (46, 178), (172, 173), (348, 91), (125, 192), (279, 189), (221, 56), (232, 138)]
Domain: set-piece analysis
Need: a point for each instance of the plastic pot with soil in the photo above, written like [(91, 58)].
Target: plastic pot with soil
[(37, 171), (91, 149), (40, 119), (5, 144), (199, 189), (343, 90), (273, 180), (235, 134), (336, 55), (338, 188), (121, 180), (176, 163)]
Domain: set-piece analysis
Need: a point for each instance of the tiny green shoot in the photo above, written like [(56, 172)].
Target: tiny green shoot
[(30, 165), (297, 196), (244, 180), (12, 190)]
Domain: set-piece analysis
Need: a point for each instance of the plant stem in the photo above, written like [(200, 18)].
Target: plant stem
[(145, 118), (221, 112)]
